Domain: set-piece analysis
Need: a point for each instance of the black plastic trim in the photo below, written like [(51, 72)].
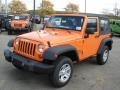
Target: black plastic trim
[(27, 64), (53, 52), (10, 43), (105, 41)]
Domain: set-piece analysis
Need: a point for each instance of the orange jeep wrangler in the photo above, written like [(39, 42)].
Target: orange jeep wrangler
[(20, 23), (64, 40)]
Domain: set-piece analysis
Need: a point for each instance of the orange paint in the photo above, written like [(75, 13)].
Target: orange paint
[(85, 47)]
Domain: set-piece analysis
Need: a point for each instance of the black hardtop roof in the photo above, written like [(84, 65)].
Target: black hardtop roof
[(101, 16)]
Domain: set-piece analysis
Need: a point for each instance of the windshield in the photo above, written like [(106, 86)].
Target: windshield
[(20, 17), (65, 22), (9, 17)]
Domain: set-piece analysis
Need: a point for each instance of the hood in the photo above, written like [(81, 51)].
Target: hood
[(53, 36), (19, 21)]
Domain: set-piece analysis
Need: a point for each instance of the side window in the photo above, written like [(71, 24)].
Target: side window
[(92, 23), (56, 21), (103, 24)]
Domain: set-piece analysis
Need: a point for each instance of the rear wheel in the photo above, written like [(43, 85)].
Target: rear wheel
[(102, 58), (62, 72)]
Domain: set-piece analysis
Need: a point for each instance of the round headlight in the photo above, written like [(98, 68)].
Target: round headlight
[(16, 42), (41, 48), (26, 25)]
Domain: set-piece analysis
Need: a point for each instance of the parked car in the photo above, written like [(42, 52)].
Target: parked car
[(115, 26), (36, 19), (7, 21), (2, 20), (20, 23), (66, 39)]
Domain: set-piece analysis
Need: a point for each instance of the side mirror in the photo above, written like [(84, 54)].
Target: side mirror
[(90, 30)]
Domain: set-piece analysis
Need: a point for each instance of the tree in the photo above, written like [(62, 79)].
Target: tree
[(72, 8), (116, 11), (17, 7), (46, 8)]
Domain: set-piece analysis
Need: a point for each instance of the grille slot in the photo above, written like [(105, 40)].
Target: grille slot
[(26, 48), (18, 25)]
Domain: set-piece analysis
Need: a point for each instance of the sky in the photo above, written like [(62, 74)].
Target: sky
[(93, 6)]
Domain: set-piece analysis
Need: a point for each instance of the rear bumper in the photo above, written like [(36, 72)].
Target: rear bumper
[(26, 63)]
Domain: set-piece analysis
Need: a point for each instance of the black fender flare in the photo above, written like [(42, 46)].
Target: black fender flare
[(10, 43), (104, 42), (52, 53)]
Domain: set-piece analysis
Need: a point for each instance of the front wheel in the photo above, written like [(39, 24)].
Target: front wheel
[(62, 72), (102, 58)]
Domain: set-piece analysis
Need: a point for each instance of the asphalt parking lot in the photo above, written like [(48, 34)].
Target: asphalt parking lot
[(87, 75)]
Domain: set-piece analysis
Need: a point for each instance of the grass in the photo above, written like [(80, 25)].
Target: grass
[(115, 28)]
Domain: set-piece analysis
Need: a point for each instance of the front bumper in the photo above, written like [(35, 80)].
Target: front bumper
[(26, 63), (20, 29)]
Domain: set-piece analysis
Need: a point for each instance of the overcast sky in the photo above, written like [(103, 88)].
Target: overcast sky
[(93, 6)]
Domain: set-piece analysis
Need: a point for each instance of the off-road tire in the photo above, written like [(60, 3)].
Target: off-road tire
[(55, 76), (102, 58)]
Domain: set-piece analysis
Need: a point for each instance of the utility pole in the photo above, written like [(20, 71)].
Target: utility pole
[(34, 11), (6, 7), (85, 6), (42, 4), (42, 8)]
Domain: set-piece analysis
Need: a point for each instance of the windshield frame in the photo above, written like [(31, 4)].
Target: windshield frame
[(82, 17)]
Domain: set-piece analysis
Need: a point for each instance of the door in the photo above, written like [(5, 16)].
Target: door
[(91, 41)]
